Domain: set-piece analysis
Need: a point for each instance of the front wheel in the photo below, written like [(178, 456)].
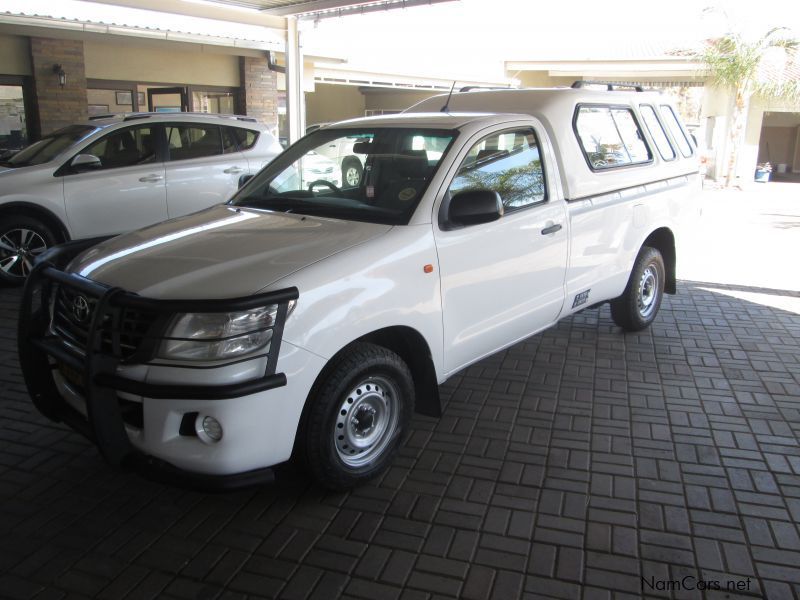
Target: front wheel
[(638, 305), (22, 239), (359, 413), (352, 172)]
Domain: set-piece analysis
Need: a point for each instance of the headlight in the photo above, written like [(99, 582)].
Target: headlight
[(215, 336)]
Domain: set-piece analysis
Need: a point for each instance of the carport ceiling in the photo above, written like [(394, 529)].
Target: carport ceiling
[(321, 8)]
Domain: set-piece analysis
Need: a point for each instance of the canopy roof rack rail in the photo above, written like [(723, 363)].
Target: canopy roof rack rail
[(610, 85), (469, 88)]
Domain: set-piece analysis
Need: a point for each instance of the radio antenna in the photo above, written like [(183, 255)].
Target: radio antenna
[(452, 87)]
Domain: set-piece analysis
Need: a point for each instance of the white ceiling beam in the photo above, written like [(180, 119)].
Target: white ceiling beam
[(322, 9), (206, 10)]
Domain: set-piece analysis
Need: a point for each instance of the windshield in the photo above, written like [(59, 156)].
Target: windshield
[(50, 146), (376, 175)]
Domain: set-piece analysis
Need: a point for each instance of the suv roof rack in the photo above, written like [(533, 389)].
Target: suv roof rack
[(221, 116), (125, 116), (146, 115), (610, 85)]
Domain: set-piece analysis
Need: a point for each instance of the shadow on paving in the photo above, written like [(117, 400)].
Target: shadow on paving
[(579, 462)]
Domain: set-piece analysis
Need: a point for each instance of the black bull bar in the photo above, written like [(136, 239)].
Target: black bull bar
[(41, 351)]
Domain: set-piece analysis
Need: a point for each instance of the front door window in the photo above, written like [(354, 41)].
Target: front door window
[(125, 148)]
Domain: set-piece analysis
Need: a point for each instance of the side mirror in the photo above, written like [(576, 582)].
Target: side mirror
[(85, 162), (475, 206), (244, 179)]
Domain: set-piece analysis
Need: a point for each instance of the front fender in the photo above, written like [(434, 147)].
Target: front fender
[(378, 284)]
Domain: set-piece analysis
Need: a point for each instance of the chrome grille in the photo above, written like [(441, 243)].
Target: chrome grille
[(122, 339)]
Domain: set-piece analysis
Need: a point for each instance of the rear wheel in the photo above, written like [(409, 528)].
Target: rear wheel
[(22, 239), (638, 306), (359, 413)]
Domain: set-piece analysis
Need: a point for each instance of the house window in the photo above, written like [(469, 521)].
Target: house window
[(13, 128)]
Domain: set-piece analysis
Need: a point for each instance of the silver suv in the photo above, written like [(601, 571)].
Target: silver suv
[(116, 173)]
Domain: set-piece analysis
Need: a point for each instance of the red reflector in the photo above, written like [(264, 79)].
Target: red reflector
[(428, 268)]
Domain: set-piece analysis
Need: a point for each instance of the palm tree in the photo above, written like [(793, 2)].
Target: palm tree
[(749, 68)]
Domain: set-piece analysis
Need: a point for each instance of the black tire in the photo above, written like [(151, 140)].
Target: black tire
[(638, 305), (360, 380), (351, 172), (22, 239)]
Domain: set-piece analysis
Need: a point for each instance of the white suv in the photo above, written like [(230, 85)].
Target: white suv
[(117, 173)]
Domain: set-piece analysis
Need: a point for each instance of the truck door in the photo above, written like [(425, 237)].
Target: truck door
[(503, 280)]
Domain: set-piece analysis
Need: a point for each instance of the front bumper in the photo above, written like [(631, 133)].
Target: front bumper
[(98, 365)]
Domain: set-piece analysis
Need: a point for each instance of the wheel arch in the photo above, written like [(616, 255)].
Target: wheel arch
[(351, 158), (409, 345), (663, 240), (412, 347), (37, 212)]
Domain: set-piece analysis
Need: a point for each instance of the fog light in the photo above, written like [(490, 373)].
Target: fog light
[(208, 429)]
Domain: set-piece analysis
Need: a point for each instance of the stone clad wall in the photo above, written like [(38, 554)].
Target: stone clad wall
[(59, 106), (259, 91)]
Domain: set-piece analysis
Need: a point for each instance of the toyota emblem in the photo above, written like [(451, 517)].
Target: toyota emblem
[(80, 309)]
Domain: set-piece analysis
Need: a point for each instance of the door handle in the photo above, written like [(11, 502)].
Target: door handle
[(551, 229), (233, 170), (151, 178)]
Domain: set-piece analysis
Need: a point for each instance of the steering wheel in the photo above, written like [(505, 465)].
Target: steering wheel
[(326, 183)]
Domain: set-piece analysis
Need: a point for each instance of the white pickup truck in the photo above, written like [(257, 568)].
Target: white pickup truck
[(309, 320)]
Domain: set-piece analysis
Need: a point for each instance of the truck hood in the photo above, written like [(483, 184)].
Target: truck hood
[(220, 252)]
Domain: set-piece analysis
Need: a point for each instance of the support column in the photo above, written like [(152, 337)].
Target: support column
[(59, 106), (295, 105)]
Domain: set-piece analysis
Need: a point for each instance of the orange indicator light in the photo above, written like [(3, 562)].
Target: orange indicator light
[(428, 268)]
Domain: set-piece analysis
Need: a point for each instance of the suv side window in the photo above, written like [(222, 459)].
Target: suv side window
[(508, 163), (610, 137), (193, 141), (657, 132), (674, 126), (125, 147), (246, 137)]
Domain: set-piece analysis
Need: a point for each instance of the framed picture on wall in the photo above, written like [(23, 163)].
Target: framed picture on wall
[(98, 109), (124, 98), (142, 102)]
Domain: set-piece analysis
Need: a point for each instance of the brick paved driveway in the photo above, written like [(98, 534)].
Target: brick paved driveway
[(580, 463)]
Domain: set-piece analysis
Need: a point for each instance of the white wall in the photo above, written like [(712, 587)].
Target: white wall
[(187, 64), (329, 103)]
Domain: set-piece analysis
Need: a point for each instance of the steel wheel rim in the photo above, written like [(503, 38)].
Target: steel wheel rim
[(648, 291), (19, 247), (351, 176), (366, 421)]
